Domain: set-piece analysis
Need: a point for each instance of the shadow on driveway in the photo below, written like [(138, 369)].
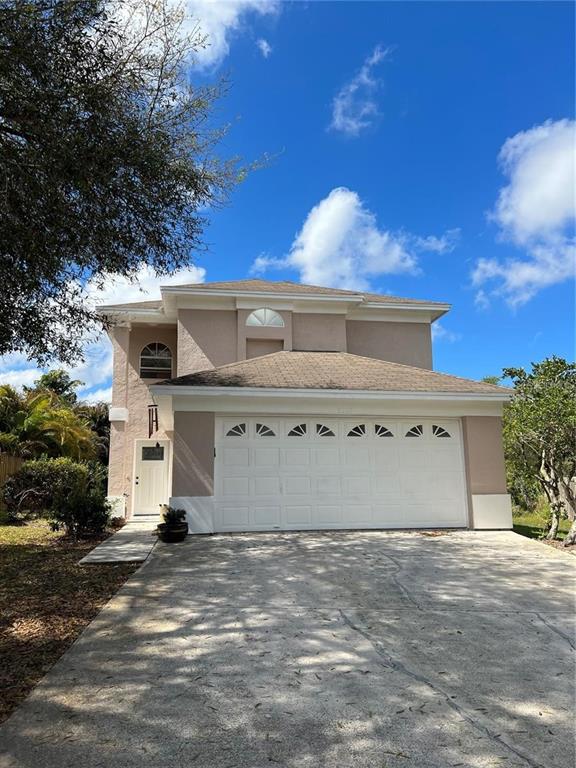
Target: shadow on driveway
[(305, 650)]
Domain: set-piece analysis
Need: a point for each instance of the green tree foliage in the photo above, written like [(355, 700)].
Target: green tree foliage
[(96, 416), (107, 158), (37, 423), (540, 435), (60, 383)]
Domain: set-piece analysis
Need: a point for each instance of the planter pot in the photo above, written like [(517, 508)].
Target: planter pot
[(172, 533)]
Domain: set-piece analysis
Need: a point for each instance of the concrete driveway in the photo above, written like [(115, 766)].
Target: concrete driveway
[(343, 650)]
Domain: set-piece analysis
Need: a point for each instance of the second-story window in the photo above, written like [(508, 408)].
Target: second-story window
[(265, 317), (155, 361)]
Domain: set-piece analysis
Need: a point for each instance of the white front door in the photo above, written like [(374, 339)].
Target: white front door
[(151, 476), (294, 473)]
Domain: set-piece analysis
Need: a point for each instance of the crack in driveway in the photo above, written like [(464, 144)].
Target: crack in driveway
[(398, 666)]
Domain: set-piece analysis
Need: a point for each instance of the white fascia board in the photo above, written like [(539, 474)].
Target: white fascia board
[(135, 315), (337, 406), (354, 298), (180, 390), (404, 306)]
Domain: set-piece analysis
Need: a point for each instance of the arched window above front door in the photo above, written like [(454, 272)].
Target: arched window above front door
[(265, 317), (155, 361)]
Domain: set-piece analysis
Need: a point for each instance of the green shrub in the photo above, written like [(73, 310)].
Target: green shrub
[(70, 494)]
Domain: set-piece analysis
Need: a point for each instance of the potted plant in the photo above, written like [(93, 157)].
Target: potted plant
[(174, 528)]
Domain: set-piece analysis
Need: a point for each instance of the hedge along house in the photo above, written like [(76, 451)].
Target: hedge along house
[(259, 405)]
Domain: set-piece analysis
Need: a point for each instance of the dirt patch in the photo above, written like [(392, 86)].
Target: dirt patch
[(46, 600), (571, 548)]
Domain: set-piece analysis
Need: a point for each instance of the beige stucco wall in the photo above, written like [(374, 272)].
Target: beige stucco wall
[(484, 454), (318, 333), (407, 343), (259, 347), (206, 339), (193, 470), (131, 392)]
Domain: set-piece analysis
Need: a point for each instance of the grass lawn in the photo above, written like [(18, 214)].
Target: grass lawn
[(46, 600), (533, 525)]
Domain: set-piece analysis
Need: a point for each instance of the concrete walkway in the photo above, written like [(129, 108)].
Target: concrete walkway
[(131, 544), (318, 650)]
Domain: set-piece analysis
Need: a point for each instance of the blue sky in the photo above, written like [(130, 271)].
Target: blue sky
[(421, 149)]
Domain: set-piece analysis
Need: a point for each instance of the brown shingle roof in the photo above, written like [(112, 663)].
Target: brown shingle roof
[(331, 370), (288, 287), (280, 287), (138, 305)]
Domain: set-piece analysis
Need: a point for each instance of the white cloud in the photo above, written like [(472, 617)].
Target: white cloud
[(439, 333), (264, 47), (219, 20), (354, 107), (443, 244), (341, 245), (535, 211), (96, 370)]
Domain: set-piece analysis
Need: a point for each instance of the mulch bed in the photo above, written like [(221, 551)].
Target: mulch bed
[(46, 600), (571, 548)]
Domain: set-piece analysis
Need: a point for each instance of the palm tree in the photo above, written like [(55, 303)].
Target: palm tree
[(38, 423)]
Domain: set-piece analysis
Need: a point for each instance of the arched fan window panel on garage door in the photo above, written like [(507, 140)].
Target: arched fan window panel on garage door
[(238, 431), (298, 431), (439, 431), (381, 431), (358, 431), (415, 431), (264, 431), (323, 431)]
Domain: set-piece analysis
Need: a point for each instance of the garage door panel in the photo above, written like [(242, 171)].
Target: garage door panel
[(235, 517), (356, 486), (236, 457), (266, 486), (297, 457), (266, 457), (298, 514), (294, 486), (326, 457), (386, 485), (267, 517), (358, 514), (329, 515), (362, 473), (236, 486), (329, 485), (357, 456)]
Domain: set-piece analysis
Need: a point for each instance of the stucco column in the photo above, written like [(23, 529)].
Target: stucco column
[(486, 472), (120, 338)]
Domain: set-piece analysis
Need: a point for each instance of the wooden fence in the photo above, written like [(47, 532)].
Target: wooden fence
[(8, 466)]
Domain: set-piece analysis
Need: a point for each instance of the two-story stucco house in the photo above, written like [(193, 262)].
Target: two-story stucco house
[(261, 406)]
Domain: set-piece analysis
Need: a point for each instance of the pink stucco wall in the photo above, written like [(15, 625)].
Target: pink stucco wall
[(407, 343), (131, 392)]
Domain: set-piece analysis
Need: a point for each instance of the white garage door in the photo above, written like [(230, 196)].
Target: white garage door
[(295, 473)]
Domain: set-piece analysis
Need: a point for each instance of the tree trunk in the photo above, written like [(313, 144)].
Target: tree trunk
[(571, 535), (553, 531)]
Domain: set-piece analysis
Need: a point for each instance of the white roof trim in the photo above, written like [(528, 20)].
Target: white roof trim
[(367, 394), (126, 308), (406, 305), (261, 294)]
